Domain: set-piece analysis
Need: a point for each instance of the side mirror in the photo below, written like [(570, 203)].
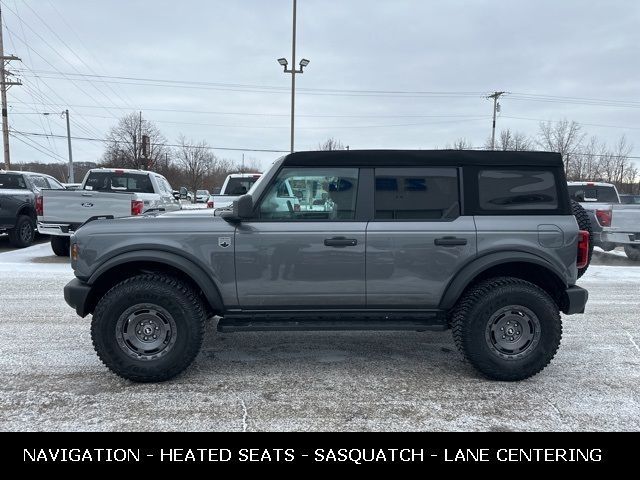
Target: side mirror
[(183, 193), (241, 210)]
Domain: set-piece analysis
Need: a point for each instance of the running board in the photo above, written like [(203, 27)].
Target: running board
[(271, 322)]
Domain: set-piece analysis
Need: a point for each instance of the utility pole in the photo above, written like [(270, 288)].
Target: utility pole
[(496, 107), (4, 86), (71, 175)]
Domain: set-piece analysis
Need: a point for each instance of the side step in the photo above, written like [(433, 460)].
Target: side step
[(264, 323)]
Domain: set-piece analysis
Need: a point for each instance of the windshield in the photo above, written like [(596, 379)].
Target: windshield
[(593, 193), (241, 185), (118, 182), (202, 192), (11, 181)]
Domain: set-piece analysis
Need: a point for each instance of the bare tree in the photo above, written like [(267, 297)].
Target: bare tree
[(124, 147), (196, 160), (564, 137), (331, 144), (460, 144), (510, 141)]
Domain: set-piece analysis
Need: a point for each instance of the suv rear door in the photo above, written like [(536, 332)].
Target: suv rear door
[(305, 254), (418, 239)]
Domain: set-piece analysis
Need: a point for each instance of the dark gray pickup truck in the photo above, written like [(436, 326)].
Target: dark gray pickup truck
[(484, 243), (20, 196)]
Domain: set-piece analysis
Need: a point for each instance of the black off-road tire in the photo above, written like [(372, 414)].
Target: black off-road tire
[(584, 223), (60, 245), (24, 233), (633, 252), (176, 309), (478, 313)]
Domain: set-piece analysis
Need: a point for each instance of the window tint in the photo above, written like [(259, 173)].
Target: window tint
[(118, 182), (416, 194), (311, 194), (593, 193), (12, 181), (240, 185), (513, 189), (39, 182)]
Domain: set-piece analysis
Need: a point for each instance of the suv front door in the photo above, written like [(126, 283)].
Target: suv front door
[(306, 247)]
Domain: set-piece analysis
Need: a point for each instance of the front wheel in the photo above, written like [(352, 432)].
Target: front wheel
[(633, 252), (507, 328), (60, 245), (148, 328)]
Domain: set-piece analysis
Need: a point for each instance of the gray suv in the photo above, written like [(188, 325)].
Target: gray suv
[(481, 242)]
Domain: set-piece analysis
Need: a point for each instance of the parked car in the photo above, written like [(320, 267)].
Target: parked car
[(202, 196), (614, 223), (234, 185), (105, 192), (481, 242), (630, 199), (20, 198)]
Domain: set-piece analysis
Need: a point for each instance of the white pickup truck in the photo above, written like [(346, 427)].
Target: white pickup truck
[(613, 223), (234, 186), (104, 193)]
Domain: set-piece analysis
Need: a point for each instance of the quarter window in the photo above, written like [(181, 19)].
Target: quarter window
[(311, 194), (416, 194), (507, 189)]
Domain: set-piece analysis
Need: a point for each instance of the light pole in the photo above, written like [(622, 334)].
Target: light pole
[(303, 63), (71, 178)]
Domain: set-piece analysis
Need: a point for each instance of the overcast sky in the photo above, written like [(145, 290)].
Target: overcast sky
[(359, 50)]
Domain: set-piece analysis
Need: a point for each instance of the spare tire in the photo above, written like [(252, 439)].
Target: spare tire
[(584, 223)]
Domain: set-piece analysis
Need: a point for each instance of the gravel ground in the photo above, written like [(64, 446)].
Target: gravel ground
[(50, 378)]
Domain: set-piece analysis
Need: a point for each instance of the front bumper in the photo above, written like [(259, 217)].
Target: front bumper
[(76, 294), (575, 300)]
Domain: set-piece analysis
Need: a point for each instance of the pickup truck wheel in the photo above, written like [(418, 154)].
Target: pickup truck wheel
[(23, 234), (584, 223), (633, 252), (148, 328), (60, 245), (507, 328)]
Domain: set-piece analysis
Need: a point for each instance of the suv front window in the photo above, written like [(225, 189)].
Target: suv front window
[(311, 194)]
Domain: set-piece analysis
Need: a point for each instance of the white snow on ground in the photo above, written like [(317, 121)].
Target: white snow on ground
[(37, 258), (619, 252)]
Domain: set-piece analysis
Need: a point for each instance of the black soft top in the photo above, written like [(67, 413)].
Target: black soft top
[(415, 158)]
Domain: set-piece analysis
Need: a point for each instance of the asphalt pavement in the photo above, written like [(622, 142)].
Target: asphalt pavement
[(51, 379)]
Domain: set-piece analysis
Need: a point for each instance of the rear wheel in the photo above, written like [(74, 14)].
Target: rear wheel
[(23, 234), (507, 328), (60, 245), (148, 328), (584, 223), (633, 252)]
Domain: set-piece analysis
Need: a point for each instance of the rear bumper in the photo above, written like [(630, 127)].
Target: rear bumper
[(575, 300), (623, 238), (54, 229), (76, 294)]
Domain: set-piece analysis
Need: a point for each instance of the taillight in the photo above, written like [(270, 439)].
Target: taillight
[(136, 207), (604, 217), (39, 205), (583, 249), (210, 204)]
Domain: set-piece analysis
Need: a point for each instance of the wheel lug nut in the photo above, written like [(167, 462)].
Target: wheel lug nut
[(146, 338), (157, 328), (504, 336), (155, 337), (502, 329), (511, 339), (517, 333)]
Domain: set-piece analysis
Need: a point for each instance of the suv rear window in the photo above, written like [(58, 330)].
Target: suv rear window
[(517, 189), (416, 194), (119, 182), (12, 181)]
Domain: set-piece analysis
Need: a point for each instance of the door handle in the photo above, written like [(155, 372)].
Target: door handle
[(340, 242), (450, 241), (87, 194)]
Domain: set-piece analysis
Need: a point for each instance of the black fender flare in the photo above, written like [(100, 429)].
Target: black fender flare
[(193, 271), (470, 271)]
